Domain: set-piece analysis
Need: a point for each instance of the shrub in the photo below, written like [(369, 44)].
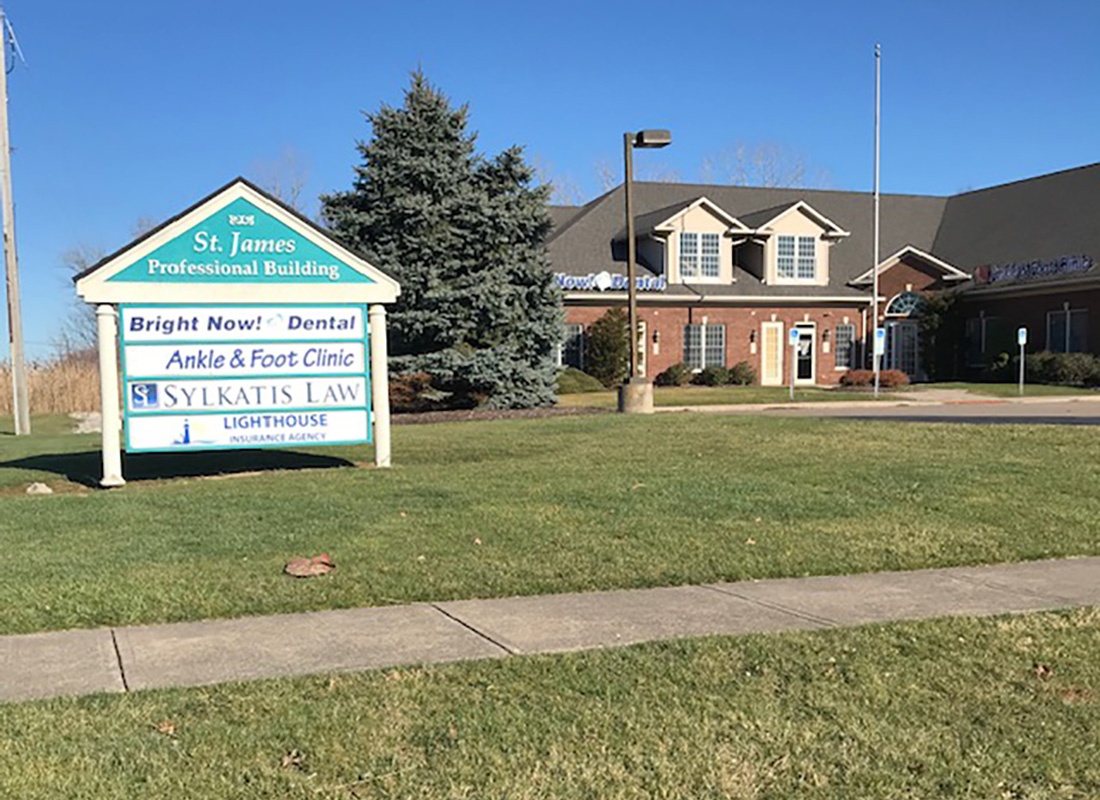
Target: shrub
[(891, 379), (572, 381), (607, 348), (887, 378), (858, 377), (711, 376), (676, 375), (742, 374), (413, 393), (1071, 369)]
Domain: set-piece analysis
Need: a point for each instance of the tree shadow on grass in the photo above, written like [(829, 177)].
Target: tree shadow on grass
[(87, 467)]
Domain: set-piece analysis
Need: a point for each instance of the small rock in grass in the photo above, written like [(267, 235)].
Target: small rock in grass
[(39, 488)]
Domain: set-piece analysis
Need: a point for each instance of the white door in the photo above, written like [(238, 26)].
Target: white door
[(771, 353)]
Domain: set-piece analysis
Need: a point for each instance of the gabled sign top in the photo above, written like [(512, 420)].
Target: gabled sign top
[(237, 245)]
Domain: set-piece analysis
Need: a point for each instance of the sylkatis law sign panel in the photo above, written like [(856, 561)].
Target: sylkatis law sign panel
[(212, 377)]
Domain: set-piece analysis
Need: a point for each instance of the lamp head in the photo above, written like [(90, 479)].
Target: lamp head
[(653, 138)]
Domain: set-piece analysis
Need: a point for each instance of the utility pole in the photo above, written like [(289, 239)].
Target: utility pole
[(20, 405)]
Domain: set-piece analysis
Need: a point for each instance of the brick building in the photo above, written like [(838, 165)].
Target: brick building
[(724, 272)]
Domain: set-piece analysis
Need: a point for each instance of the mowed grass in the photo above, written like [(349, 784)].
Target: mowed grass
[(1010, 390), (501, 508), (960, 708)]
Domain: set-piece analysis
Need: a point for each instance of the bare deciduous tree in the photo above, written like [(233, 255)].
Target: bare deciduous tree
[(284, 176), (766, 164)]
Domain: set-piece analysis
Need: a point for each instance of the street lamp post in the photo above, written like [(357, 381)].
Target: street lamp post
[(636, 394)]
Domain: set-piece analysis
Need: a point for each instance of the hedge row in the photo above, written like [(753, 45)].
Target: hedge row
[(1064, 369)]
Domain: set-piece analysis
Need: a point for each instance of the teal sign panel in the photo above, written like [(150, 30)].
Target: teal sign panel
[(240, 244)]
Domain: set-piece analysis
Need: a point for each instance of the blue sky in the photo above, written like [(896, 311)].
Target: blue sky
[(135, 110)]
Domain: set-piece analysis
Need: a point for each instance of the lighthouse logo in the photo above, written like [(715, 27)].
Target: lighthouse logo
[(187, 436)]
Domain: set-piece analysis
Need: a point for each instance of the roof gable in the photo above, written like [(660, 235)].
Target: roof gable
[(767, 224), (239, 244), (949, 272)]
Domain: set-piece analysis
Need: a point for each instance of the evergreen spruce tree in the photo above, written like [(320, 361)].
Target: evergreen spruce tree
[(465, 238)]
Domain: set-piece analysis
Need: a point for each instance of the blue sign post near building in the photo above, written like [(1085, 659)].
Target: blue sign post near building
[(242, 325)]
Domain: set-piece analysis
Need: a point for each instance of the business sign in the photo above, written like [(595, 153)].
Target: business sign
[(215, 377), (239, 243), (609, 281), (880, 341), (1032, 270)]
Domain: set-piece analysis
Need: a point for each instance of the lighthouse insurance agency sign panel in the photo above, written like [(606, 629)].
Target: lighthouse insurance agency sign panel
[(244, 376)]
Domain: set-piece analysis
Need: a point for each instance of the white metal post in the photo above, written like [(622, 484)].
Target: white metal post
[(107, 329), (875, 255), (380, 385)]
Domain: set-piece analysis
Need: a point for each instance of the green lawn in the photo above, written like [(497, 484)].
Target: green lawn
[(720, 395), (526, 507), (1010, 389), (962, 708)]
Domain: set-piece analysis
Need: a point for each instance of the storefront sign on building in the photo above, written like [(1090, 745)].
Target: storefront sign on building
[(609, 281), (1032, 270)]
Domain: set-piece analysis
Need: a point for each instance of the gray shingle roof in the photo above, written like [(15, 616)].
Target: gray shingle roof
[(587, 245), (1046, 217)]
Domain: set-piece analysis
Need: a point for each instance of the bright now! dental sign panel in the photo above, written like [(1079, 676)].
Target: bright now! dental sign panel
[(223, 377)]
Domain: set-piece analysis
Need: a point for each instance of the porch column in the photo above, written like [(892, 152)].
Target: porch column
[(107, 330), (380, 385)]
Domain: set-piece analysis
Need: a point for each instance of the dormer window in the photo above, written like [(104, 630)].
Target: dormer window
[(699, 255), (796, 258)]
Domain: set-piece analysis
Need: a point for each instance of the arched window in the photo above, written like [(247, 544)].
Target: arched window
[(905, 304)]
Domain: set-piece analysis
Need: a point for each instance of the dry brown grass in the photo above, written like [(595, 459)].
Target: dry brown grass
[(59, 386)]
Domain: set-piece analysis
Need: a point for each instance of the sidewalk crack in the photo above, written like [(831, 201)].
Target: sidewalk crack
[(773, 606), (118, 660), (481, 634)]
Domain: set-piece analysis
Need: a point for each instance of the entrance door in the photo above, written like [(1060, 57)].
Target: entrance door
[(805, 368), (771, 354), (903, 347)]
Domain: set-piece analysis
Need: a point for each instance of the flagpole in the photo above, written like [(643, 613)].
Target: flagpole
[(875, 256)]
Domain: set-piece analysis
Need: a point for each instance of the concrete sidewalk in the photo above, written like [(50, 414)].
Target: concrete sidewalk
[(190, 654)]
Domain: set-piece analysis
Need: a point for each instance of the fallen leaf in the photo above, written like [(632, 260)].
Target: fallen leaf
[(750, 541), (402, 514), (293, 758), (166, 727), (477, 541), (1043, 671)]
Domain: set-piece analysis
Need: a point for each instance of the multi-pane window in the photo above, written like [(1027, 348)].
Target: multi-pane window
[(699, 255), (572, 348), (796, 258), (1066, 330), (705, 346), (807, 258), (845, 342), (786, 260)]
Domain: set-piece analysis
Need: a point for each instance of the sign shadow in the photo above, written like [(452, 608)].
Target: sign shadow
[(86, 467)]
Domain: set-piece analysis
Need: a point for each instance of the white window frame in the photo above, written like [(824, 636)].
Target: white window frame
[(703, 329), (851, 346), (697, 253), (801, 243)]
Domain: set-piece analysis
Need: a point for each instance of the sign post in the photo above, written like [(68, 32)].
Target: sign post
[(792, 337), (1021, 339), (214, 356), (880, 350)]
